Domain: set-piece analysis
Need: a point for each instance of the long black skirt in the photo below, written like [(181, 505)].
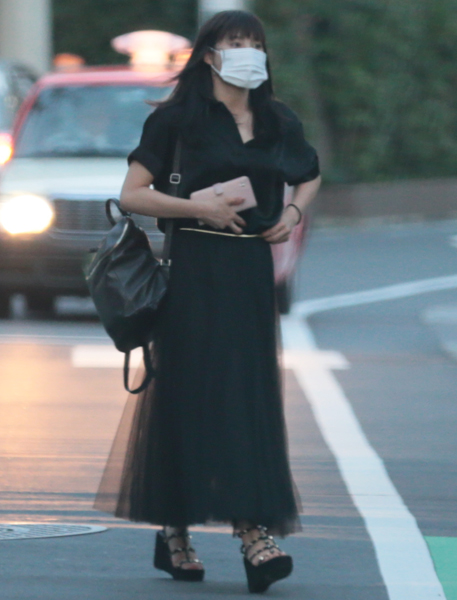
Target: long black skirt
[(206, 442)]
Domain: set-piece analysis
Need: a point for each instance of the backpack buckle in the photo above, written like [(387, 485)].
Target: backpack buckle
[(175, 178)]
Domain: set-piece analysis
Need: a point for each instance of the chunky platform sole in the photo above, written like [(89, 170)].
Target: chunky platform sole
[(162, 561), (264, 574)]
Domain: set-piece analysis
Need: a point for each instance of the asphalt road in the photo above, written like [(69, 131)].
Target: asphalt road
[(57, 420)]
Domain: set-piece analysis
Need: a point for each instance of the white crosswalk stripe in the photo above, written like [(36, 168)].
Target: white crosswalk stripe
[(402, 553)]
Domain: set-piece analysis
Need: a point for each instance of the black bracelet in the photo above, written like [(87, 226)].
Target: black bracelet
[(298, 210)]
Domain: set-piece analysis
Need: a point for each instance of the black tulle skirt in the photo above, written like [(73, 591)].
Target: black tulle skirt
[(206, 442)]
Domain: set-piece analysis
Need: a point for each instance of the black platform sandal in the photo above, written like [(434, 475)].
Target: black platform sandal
[(163, 554), (261, 576)]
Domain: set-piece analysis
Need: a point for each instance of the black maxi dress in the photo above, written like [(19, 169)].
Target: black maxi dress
[(206, 442)]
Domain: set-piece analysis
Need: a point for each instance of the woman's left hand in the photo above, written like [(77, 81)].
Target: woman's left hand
[(281, 231)]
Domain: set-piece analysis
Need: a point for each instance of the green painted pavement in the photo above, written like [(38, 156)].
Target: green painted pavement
[(444, 554)]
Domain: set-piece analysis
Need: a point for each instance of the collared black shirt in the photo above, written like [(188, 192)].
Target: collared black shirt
[(220, 155)]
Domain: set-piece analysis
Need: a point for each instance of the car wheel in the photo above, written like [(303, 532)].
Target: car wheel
[(41, 303), (284, 297), (4, 304)]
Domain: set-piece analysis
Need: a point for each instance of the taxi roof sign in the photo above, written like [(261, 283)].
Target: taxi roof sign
[(151, 47)]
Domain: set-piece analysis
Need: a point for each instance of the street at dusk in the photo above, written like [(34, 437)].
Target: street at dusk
[(388, 360)]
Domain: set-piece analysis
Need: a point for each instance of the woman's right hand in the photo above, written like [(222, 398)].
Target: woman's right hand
[(219, 212)]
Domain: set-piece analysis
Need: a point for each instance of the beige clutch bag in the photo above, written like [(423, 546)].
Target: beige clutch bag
[(235, 188)]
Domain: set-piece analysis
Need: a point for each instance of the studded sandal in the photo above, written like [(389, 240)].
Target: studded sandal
[(266, 572), (163, 554)]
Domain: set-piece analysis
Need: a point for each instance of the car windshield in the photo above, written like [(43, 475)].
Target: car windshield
[(86, 121)]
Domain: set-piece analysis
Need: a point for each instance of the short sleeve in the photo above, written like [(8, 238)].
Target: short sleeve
[(300, 162), (153, 149)]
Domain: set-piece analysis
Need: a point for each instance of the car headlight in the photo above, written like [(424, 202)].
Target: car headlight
[(6, 148), (25, 213)]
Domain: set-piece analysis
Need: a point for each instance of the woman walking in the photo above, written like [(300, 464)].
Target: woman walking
[(207, 440)]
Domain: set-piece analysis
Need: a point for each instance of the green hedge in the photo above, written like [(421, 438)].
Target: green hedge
[(382, 74), (374, 81)]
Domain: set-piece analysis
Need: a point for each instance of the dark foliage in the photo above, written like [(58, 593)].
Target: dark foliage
[(383, 73), (374, 81), (86, 27)]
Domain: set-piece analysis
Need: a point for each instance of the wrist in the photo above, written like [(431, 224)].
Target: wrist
[(199, 210), (298, 214)]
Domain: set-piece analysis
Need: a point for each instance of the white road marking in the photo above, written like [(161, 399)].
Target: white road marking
[(311, 359), (402, 553), (390, 292), (106, 356), (453, 241), (102, 356), (49, 340)]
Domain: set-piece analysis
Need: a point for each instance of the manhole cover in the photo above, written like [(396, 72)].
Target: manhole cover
[(44, 530)]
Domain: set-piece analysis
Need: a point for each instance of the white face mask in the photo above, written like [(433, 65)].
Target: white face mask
[(243, 67)]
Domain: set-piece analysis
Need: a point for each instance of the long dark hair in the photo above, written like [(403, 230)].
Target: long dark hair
[(195, 80)]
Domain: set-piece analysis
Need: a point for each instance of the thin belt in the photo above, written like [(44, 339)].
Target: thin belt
[(237, 235)]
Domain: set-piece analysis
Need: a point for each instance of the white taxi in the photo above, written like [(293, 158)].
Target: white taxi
[(70, 143)]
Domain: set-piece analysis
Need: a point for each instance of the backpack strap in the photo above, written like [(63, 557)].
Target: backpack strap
[(150, 373), (175, 180), (108, 209)]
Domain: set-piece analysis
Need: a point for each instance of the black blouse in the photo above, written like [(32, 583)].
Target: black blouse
[(221, 155)]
